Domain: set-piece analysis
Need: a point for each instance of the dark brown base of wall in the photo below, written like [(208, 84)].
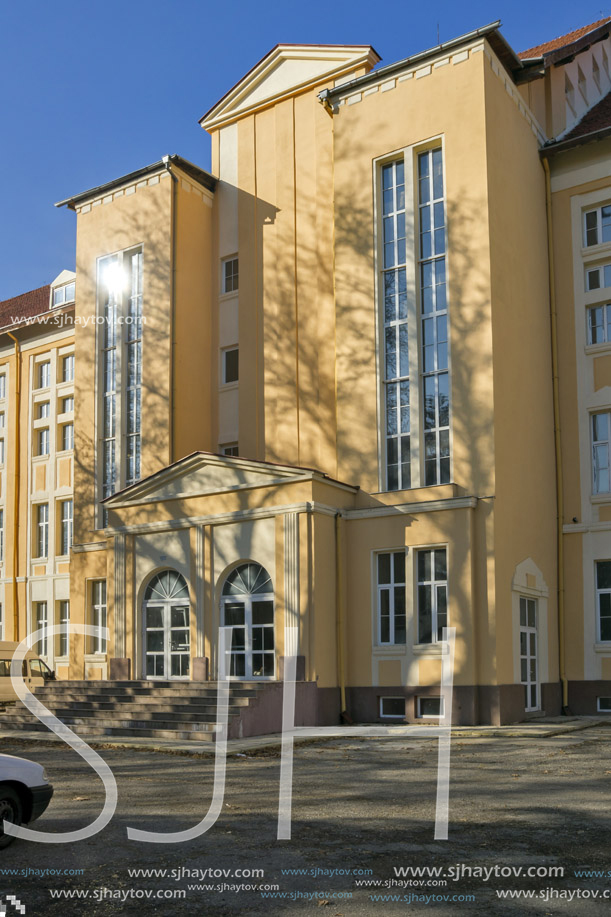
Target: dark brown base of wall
[(583, 697), (314, 706), (484, 705)]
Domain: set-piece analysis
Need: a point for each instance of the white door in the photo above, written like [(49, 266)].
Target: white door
[(247, 606), (167, 640), (529, 668)]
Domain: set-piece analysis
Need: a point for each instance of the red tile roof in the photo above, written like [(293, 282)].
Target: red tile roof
[(596, 119), (562, 41), (24, 306)]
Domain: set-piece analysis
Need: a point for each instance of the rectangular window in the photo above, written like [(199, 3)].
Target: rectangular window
[(434, 318), (42, 624), (391, 597), (44, 409), (396, 355), (230, 359), (230, 275), (44, 374), (67, 441), (604, 704), (432, 595), (68, 368), (42, 530), (1, 452), (1, 535), (529, 675), (67, 405), (98, 614), (63, 642), (430, 707), (120, 286), (603, 599), (2, 385), (392, 707), (66, 527), (64, 294), (230, 449), (2, 418), (1, 622), (600, 452), (43, 441), (597, 226), (599, 324)]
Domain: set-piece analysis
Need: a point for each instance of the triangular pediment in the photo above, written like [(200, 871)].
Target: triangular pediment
[(286, 70), (204, 473)]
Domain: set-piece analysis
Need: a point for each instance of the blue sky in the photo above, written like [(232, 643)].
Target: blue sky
[(93, 91)]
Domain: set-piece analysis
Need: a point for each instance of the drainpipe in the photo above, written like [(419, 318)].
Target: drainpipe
[(557, 442), (166, 162), (17, 483), (339, 605)]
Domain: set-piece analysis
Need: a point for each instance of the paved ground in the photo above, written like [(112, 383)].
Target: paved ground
[(539, 802)]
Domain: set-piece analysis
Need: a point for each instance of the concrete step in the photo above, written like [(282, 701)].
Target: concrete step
[(105, 701), (204, 733), (188, 708), (69, 714)]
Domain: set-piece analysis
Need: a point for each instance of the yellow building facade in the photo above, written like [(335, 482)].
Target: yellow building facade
[(347, 390)]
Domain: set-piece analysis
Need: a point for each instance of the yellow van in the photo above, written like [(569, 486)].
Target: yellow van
[(35, 672)]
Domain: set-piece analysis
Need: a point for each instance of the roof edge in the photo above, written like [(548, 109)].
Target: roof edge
[(204, 178), (389, 69)]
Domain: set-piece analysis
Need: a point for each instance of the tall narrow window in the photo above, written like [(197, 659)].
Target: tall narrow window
[(391, 597), (396, 356), (44, 375), (98, 614), (66, 527), (2, 385), (43, 441), (41, 624), (68, 368), (1, 535), (63, 643), (120, 302), (230, 275), (600, 453), (603, 599), (432, 595), (133, 346), (434, 318), (42, 530)]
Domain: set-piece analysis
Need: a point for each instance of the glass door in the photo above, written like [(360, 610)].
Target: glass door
[(247, 606), (529, 670), (167, 644)]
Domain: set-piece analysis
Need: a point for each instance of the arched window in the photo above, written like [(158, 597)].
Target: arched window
[(247, 606), (167, 643)]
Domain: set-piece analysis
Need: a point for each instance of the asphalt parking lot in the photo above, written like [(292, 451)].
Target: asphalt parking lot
[(363, 811)]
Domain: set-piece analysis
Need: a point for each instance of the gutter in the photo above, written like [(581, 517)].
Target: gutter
[(339, 608), (375, 75), (16, 487), (557, 442)]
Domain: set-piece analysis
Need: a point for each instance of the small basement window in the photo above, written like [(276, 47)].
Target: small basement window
[(430, 707), (392, 706), (604, 704)]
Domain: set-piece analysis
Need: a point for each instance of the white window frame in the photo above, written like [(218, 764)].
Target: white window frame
[(42, 530), (99, 616), (229, 449), (2, 451), (601, 709), (41, 622), (224, 353), (66, 527), (391, 716), (70, 409), (390, 588), (230, 281), (63, 617), (68, 368), (43, 446), (1, 535), (434, 584), (67, 437), (3, 385), (1, 621), (598, 227), (600, 447), (599, 593), (43, 371), (43, 410), (430, 716), (63, 294), (605, 325)]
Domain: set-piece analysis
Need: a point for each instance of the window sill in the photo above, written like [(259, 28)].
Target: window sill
[(601, 498), (590, 252), (224, 297), (41, 458), (389, 649), (228, 386), (603, 647), (61, 452), (605, 347), (430, 649)]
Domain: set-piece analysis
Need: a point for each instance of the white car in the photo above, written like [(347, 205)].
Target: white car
[(25, 793)]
